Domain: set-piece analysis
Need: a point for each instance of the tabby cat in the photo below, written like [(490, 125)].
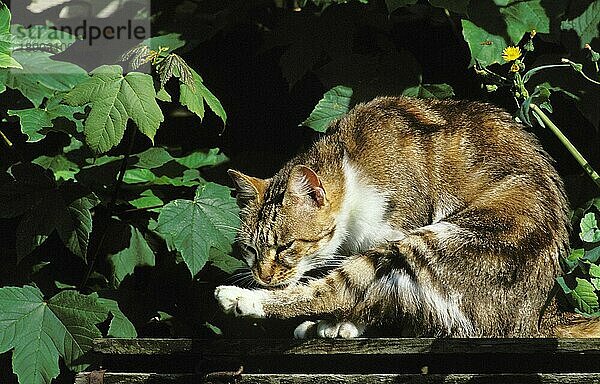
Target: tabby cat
[(445, 215)]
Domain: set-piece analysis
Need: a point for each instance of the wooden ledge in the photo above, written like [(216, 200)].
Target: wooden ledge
[(538, 378), (410, 346)]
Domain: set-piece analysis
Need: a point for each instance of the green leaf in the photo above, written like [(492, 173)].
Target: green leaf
[(593, 255), (524, 16), (138, 253), (392, 5), (32, 121), (594, 270), (114, 100), (40, 331), (226, 263), (214, 329), (41, 76), (62, 167), (486, 48), (334, 104), (586, 24), (589, 228), (152, 158), (194, 96), (172, 41), (201, 159), (4, 18), (66, 210), (120, 326), (41, 38), (193, 227), (585, 296), (163, 95), (7, 61), (147, 199), (430, 91)]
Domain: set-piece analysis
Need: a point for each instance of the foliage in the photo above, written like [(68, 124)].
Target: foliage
[(85, 192), (581, 282), (73, 193)]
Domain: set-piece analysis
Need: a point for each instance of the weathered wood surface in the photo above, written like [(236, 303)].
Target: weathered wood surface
[(230, 348), (538, 378)]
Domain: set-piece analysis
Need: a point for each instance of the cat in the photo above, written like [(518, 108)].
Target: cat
[(446, 215)]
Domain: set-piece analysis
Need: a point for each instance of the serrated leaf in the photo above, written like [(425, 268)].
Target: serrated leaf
[(41, 76), (585, 296), (172, 41), (586, 24), (430, 91), (194, 96), (589, 228), (193, 227), (114, 100), (226, 263), (594, 270), (40, 331), (163, 95), (525, 16), (147, 199), (41, 38), (63, 168), (5, 17), (486, 48), (7, 61), (334, 104), (201, 159), (152, 158), (57, 210), (138, 253), (32, 121), (120, 325), (592, 255)]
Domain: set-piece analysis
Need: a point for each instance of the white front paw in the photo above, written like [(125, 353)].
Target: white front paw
[(344, 329), (240, 301), (306, 330)]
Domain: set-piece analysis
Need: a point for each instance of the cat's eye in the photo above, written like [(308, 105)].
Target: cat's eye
[(250, 254), (284, 247)]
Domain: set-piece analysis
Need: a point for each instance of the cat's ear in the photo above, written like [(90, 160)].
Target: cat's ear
[(248, 188), (304, 182)]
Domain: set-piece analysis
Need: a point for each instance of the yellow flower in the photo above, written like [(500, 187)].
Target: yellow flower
[(514, 67), (511, 53)]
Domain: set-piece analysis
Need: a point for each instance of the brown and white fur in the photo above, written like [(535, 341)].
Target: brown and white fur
[(446, 215)]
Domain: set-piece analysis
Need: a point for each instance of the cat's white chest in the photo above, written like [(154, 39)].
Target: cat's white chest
[(362, 217)]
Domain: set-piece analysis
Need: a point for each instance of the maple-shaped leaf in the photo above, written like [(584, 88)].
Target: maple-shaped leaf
[(114, 100), (40, 331), (193, 94), (137, 253), (193, 227), (47, 207)]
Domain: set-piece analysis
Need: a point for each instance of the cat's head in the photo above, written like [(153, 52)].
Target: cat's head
[(287, 224)]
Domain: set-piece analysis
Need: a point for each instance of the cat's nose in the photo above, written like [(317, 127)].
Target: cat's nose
[(266, 278)]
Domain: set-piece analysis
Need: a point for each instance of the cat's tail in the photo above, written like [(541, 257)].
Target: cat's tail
[(574, 325)]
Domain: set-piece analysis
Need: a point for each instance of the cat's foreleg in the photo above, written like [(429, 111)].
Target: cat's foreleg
[(335, 296)]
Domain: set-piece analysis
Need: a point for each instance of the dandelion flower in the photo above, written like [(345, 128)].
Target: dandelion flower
[(511, 53)]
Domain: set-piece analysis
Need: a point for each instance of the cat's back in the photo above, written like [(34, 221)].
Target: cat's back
[(457, 141)]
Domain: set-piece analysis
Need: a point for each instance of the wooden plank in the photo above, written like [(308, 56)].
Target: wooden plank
[(538, 378), (230, 348)]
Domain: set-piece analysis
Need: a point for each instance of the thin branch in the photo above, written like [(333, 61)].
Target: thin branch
[(111, 207), (565, 141)]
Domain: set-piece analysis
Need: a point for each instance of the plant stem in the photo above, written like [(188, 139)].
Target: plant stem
[(570, 147), (6, 140), (111, 207)]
